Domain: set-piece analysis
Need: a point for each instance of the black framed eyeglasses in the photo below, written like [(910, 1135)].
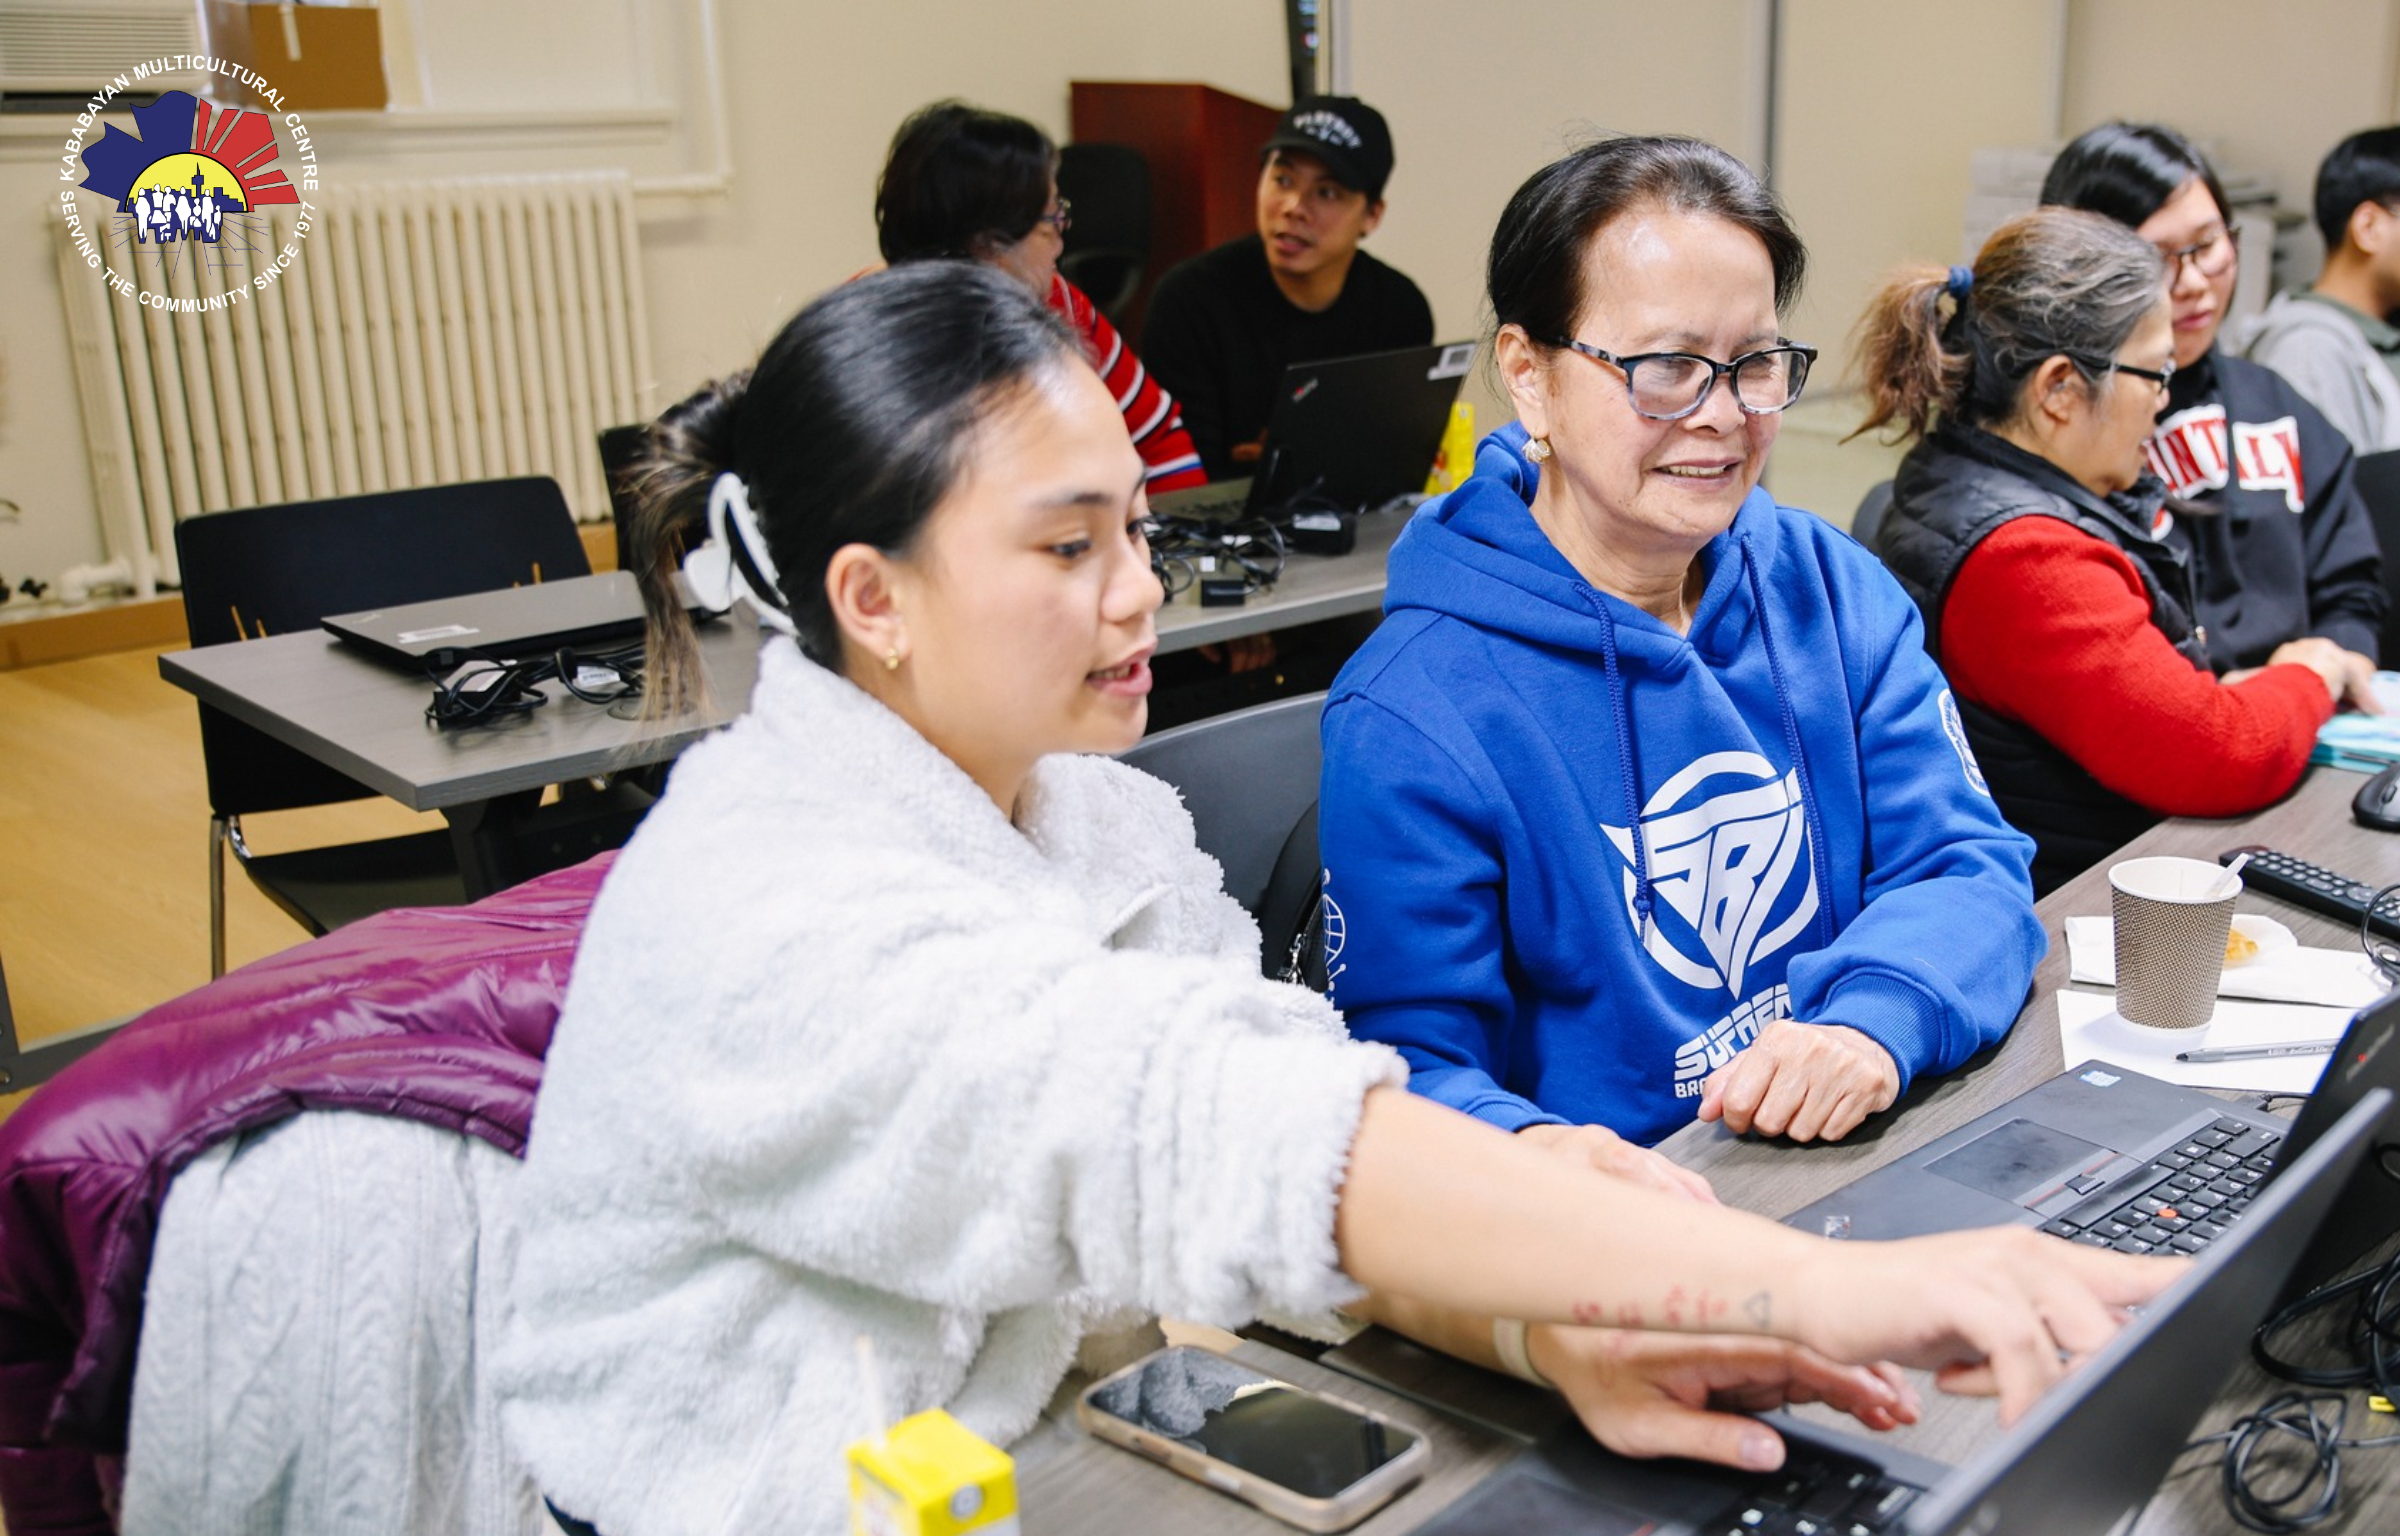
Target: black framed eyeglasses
[(2162, 377), (1061, 218), (1668, 386)]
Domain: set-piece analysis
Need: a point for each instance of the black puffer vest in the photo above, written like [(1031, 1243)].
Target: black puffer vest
[(1953, 490)]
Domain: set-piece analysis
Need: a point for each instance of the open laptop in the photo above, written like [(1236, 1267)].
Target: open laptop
[(1347, 434), (2109, 1157), (579, 613), (2092, 1448)]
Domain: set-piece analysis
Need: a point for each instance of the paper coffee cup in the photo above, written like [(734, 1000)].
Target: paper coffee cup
[(2172, 919)]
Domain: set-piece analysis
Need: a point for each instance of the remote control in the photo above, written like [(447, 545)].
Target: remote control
[(2308, 885)]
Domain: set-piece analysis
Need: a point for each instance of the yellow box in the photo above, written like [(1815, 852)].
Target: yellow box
[(1456, 460), (931, 1476)]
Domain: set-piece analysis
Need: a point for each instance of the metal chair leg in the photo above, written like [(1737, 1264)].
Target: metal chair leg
[(218, 829)]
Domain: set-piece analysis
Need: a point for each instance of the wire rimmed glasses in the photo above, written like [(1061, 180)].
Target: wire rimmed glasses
[(1668, 386)]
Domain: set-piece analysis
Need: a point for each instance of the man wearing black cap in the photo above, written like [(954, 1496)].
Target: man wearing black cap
[(1224, 324)]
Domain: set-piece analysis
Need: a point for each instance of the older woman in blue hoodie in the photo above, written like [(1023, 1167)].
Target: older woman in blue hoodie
[(1645, 800)]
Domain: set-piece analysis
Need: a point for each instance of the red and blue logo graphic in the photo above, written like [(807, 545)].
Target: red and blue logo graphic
[(190, 167)]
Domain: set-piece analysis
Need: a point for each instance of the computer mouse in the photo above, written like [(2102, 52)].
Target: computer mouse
[(2378, 802)]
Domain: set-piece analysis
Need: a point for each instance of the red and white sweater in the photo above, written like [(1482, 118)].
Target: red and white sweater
[(1150, 412)]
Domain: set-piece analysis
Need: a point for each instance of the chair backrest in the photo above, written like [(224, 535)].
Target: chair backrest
[(2378, 476), (621, 450), (1108, 241), (280, 569), (1250, 781), (1871, 511)]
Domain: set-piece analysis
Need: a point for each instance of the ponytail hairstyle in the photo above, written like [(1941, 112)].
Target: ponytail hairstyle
[(2054, 282), (851, 429), (961, 182)]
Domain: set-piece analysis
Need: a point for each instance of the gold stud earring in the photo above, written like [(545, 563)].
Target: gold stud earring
[(1537, 450), (891, 659)]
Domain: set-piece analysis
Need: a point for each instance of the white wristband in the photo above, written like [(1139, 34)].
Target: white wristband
[(1508, 1342)]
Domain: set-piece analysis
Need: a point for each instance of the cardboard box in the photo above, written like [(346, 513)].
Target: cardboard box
[(320, 57)]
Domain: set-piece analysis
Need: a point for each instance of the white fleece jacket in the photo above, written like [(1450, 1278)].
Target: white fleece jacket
[(847, 1052)]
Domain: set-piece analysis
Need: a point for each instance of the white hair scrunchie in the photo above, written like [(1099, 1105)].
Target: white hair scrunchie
[(715, 574)]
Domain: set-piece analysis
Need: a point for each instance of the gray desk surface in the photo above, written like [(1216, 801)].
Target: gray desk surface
[(1313, 587), (314, 693), (1081, 1486)]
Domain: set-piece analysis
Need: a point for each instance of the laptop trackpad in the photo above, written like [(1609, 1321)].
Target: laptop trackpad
[(2018, 1161)]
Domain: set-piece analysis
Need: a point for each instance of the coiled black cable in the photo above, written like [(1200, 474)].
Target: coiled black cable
[(483, 692), (2263, 1488)]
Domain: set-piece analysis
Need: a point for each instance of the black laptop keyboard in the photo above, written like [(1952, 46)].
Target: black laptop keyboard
[(1817, 1493), (2183, 1199)]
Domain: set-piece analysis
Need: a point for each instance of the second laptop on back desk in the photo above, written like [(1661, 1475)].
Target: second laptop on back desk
[(578, 613), (1348, 434)]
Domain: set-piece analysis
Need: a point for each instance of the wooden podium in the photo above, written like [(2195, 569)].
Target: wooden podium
[(1202, 145)]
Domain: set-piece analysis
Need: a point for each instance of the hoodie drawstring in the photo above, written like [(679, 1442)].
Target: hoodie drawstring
[(1791, 737), (1626, 770)]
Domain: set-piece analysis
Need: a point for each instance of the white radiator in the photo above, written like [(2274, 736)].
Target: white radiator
[(424, 332)]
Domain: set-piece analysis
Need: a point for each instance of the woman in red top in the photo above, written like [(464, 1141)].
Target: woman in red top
[(2027, 527), (962, 182)]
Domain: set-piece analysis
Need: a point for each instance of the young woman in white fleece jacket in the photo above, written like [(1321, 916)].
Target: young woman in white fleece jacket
[(904, 1016)]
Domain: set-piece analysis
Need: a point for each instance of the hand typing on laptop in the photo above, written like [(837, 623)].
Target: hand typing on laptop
[(1660, 1394), (1998, 1312)]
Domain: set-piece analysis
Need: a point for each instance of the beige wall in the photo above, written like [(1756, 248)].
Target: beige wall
[(814, 90), (1872, 159), (2269, 88), (1883, 102), (1477, 106)]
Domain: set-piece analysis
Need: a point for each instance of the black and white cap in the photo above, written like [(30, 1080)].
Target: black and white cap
[(1345, 133)]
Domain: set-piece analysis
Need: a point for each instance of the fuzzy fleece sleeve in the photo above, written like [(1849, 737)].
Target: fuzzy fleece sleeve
[(1003, 1110), (1413, 865), (1937, 962)]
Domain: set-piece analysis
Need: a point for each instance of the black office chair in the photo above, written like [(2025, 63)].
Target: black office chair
[(1872, 509), (2378, 478), (1108, 240), (621, 448), (279, 570), (1250, 781)]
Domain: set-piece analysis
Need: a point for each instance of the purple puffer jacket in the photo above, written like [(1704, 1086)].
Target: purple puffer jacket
[(438, 1014)]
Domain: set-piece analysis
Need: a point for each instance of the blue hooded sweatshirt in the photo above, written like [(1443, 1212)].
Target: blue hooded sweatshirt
[(1575, 860)]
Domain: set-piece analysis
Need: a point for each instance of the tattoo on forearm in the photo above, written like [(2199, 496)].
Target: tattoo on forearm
[(1679, 1308), (1760, 1309)]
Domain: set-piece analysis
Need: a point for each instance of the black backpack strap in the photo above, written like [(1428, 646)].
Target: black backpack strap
[(1291, 923)]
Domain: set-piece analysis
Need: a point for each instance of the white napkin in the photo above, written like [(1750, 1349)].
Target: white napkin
[(2089, 1027), (2281, 972)]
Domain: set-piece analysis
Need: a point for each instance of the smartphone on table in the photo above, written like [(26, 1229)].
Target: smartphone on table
[(1309, 1460)]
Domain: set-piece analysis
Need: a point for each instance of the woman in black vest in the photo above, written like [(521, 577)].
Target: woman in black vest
[(2259, 492), (2028, 528)]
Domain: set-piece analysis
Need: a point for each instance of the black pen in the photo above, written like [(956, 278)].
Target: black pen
[(2258, 1052)]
